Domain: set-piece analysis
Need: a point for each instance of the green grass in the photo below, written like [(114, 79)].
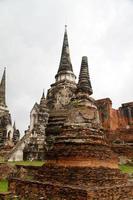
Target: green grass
[(27, 163), (126, 169), (3, 185)]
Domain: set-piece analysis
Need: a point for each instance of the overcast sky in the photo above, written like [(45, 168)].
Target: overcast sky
[(31, 35)]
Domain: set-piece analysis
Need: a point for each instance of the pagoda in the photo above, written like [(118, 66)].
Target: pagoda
[(80, 164)]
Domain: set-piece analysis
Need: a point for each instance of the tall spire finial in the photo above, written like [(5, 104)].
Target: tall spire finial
[(84, 84), (65, 61), (43, 94), (65, 27), (43, 100), (65, 71), (3, 89), (14, 125)]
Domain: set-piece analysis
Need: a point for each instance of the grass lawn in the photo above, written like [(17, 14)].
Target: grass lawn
[(3, 185), (27, 163), (126, 169)]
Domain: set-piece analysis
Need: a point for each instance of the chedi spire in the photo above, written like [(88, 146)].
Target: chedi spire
[(65, 61), (84, 84), (43, 101), (65, 71), (3, 89), (14, 126)]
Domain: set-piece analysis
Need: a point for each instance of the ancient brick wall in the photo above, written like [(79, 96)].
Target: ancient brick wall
[(27, 172), (123, 150), (121, 136), (36, 190), (72, 150), (81, 175), (121, 142), (111, 118), (27, 190), (118, 126), (6, 196), (112, 193), (6, 170)]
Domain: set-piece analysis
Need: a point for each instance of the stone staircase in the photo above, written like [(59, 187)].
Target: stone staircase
[(18, 147)]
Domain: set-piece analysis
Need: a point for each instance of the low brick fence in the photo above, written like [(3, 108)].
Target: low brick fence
[(6, 196), (27, 190), (6, 170), (27, 172)]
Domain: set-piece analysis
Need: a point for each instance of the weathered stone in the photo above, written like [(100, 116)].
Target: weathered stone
[(32, 144), (113, 119), (118, 126), (84, 83), (35, 147), (80, 164), (6, 170), (9, 135)]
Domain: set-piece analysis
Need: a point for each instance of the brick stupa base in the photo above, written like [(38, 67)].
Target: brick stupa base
[(80, 164)]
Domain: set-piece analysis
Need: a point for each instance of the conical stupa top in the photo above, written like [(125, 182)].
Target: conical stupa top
[(84, 84), (3, 89), (65, 61), (43, 100), (43, 94), (14, 126)]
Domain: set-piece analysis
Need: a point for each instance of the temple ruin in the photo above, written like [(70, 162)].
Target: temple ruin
[(32, 145), (9, 135), (118, 126), (80, 163)]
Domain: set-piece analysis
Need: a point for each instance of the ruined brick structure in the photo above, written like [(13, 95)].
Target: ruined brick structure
[(35, 147), (118, 124), (113, 119), (80, 164), (9, 135), (32, 145)]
